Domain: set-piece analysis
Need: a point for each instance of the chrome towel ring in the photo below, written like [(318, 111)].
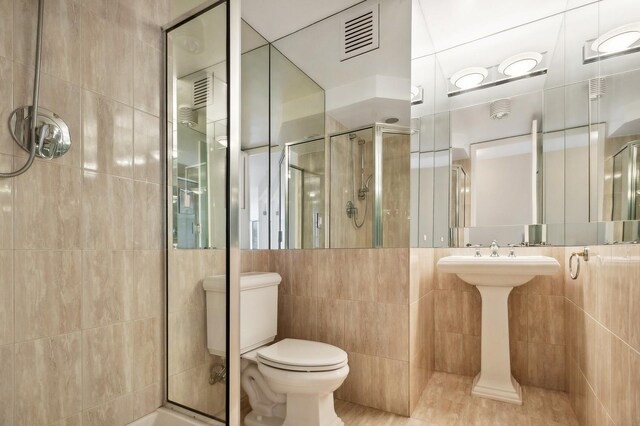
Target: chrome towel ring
[(577, 255)]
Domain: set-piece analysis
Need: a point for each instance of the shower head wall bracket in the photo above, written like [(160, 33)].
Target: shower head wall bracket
[(54, 144)]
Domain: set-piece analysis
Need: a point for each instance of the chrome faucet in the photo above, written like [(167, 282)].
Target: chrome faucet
[(494, 249)]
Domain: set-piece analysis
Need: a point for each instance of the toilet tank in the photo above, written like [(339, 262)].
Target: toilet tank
[(258, 310)]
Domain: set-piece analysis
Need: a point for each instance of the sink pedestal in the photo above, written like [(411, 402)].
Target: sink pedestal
[(495, 380)]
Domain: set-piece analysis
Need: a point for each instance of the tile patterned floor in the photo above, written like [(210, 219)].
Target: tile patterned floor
[(447, 401)]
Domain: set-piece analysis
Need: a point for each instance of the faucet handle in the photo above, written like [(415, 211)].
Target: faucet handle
[(494, 248), (512, 250)]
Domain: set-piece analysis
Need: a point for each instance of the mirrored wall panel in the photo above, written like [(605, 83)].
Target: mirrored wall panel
[(197, 164), (537, 113)]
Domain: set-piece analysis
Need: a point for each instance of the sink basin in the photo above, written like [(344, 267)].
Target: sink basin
[(495, 277), (498, 271)]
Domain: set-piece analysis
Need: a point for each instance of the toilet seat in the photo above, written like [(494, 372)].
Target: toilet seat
[(302, 356)]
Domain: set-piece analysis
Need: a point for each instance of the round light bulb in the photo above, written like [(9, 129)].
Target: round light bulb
[(619, 42)]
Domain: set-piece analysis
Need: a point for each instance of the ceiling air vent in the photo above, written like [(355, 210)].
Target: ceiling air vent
[(360, 32), (202, 91)]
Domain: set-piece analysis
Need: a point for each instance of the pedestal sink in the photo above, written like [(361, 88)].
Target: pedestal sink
[(495, 277)]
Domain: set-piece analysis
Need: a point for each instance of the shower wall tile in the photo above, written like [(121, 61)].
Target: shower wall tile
[(108, 69), (48, 379), (57, 95), (149, 15), (6, 29), (6, 89), (61, 42), (48, 297), (106, 363), (6, 385), (146, 91), (147, 220), (6, 205), (146, 400), (147, 352), (107, 213), (107, 283), (117, 412), (6, 297), (107, 135), (57, 209), (146, 147), (47, 207), (148, 283), (75, 420)]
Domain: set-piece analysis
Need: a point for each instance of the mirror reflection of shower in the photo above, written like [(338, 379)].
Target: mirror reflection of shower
[(351, 208)]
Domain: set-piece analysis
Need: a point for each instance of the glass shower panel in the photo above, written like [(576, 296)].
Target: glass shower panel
[(305, 195), (197, 124)]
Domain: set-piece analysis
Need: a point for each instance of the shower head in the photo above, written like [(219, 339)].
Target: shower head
[(352, 136)]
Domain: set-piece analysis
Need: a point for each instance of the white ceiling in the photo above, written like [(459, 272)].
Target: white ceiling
[(485, 38), (452, 23), (277, 18)]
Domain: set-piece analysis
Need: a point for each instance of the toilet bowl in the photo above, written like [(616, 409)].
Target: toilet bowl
[(290, 382), (295, 383)]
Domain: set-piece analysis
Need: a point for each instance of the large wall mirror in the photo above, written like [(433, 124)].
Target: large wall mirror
[(335, 137), (528, 127)]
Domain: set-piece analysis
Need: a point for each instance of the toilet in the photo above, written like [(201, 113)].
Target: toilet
[(290, 382)]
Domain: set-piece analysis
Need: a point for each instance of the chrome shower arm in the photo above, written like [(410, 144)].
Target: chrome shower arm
[(36, 97)]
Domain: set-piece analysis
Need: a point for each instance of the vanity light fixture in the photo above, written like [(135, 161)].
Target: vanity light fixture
[(616, 42), (469, 77), (517, 67), (520, 64)]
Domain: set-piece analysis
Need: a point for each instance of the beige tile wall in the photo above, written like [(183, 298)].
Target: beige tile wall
[(421, 322), (80, 237), (536, 324), (357, 299), (602, 317)]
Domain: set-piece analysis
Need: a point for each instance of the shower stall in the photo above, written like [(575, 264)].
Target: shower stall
[(303, 185), (369, 169)]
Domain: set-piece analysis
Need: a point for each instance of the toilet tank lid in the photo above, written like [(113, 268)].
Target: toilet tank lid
[(248, 281)]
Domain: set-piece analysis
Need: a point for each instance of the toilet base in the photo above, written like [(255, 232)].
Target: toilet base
[(311, 410)]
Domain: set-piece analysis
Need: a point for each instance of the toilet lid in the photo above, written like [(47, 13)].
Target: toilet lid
[(302, 355)]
